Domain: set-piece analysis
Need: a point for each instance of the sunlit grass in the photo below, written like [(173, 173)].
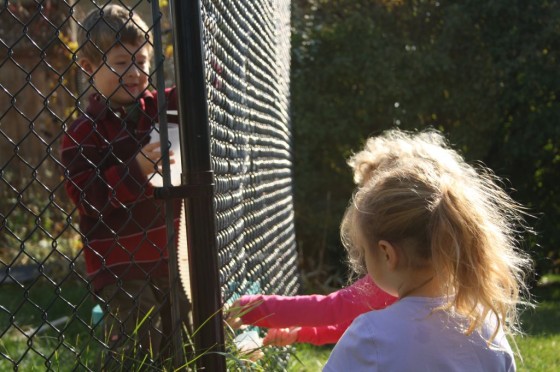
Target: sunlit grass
[(540, 353), (309, 358)]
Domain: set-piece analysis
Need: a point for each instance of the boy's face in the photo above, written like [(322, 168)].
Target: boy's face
[(124, 76)]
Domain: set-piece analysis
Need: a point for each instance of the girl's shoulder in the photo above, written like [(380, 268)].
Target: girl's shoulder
[(402, 313)]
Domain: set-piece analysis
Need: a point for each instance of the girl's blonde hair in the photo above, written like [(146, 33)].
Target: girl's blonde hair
[(419, 194), (109, 26)]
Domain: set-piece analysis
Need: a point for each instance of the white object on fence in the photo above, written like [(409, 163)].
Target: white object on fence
[(156, 178)]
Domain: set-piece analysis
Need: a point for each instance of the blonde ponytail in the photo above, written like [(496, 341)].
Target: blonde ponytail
[(474, 248), (418, 193)]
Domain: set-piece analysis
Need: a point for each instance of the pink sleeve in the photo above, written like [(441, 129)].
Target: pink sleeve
[(315, 310), (322, 335)]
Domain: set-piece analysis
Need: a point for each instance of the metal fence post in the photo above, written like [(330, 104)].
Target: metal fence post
[(193, 115)]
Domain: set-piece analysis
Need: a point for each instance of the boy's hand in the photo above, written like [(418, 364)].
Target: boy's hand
[(149, 158), (281, 336)]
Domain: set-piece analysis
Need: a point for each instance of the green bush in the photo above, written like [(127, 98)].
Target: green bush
[(485, 73)]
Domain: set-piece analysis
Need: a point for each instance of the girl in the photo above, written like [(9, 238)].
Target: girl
[(441, 236)]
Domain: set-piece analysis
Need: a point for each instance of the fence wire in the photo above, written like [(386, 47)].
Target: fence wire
[(52, 315)]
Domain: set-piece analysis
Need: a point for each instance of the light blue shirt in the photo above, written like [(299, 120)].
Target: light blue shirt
[(408, 336)]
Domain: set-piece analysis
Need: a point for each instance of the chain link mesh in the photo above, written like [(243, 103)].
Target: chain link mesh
[(46, 301)]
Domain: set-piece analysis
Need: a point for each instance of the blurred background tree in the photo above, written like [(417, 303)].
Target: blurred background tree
[(484, 72)]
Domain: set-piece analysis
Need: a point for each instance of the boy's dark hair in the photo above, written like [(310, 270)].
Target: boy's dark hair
[(108, 26)]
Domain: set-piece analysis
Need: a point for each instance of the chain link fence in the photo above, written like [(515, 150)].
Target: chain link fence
[(52, 313)]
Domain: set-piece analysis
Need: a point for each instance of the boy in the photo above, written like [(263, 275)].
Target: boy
[(107, 160)]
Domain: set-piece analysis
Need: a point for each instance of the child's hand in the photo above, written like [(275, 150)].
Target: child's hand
[(254, 355), (233, 314), (281, 336), (149, 158)]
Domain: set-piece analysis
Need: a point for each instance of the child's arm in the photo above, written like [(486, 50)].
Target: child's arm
[(311, 335), (94, 184), (314, 310), (323, 335)]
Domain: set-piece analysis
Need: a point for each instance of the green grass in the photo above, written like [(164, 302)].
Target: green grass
[(25, 308), (539, 346), (309, 358)]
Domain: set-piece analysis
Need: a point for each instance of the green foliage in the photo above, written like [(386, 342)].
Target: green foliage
[(483, 72)]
